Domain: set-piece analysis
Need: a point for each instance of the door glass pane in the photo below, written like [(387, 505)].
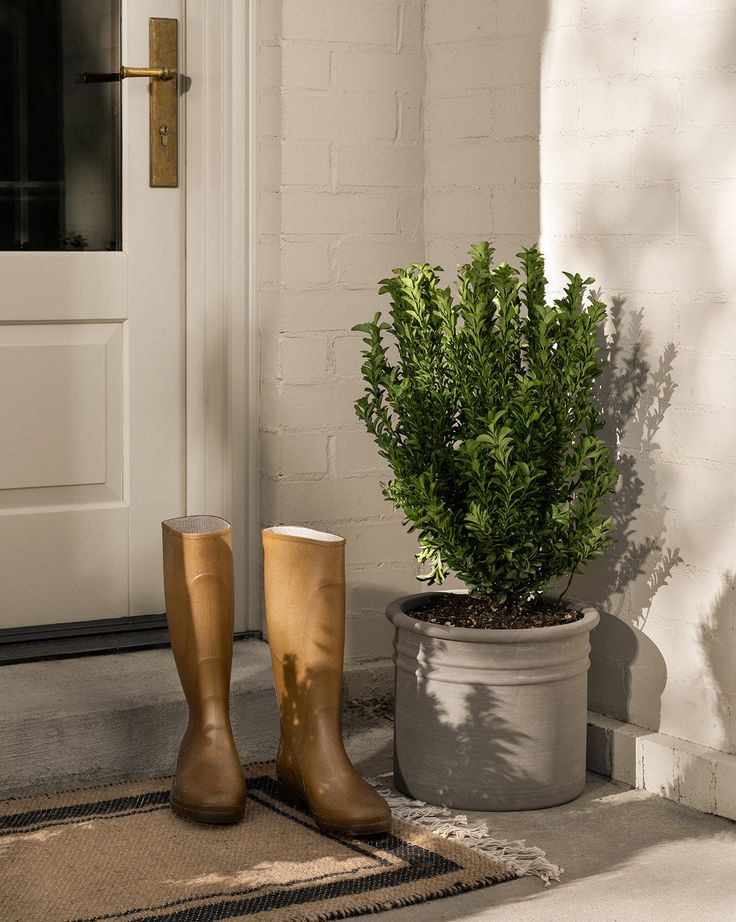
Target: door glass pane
[(60, 129)]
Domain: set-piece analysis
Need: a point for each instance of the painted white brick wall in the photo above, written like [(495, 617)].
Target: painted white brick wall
[(342, 175), (482, 129), (636, 189)]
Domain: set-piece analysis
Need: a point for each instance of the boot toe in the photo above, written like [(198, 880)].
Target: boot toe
[(204, 812), (207, 804), (363, 813), (355, 822), (207, 791)]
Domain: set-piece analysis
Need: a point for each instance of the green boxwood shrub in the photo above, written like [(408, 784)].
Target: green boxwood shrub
[(482, 406)]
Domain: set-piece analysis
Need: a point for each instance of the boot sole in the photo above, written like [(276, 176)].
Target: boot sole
[(208, 814), (365, 829), (295, 798)]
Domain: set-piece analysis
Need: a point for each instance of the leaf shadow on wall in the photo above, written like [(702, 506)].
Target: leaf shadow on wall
[(717, 640), (693, 782), (628, 673)]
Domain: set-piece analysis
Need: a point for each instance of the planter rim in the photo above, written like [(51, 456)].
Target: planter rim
[(398, 613)]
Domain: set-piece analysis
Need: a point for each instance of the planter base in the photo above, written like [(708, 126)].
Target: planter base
[(485, 799), (488, 719)]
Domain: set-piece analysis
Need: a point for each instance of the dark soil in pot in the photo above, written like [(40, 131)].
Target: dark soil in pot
[(460, 610)]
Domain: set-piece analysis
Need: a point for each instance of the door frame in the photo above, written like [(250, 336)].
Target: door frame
[(222, 376)]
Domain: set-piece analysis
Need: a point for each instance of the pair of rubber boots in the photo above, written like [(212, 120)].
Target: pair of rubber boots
[(304, 582)]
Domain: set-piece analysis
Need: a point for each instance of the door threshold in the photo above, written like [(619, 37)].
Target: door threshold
[(87, 638)]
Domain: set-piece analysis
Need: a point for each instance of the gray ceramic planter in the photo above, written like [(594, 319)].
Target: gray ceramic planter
[(490, 719)]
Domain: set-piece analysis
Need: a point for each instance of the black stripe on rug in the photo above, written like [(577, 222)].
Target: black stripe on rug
[(421, 865), (38, 819)]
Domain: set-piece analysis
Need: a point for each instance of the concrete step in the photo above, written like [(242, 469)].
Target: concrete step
[(96, 719)]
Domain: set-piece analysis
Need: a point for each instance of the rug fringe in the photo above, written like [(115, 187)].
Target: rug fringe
[(525, 860)]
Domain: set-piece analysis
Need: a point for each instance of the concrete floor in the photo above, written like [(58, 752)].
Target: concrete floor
[(629, 856)]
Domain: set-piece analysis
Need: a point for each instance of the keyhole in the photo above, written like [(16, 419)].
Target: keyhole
[(164, 132)]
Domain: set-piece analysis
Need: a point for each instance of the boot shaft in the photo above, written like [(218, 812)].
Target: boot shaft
[(198, 589), (304, 588)]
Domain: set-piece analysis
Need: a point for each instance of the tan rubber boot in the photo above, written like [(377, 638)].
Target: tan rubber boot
[(198, 586), (304, 581)]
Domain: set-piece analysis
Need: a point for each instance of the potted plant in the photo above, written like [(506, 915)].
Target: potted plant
[(483, 407)]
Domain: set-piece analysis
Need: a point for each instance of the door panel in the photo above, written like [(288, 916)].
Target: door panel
[(64, 422), (68, 288), (67, 564), (91, 338)]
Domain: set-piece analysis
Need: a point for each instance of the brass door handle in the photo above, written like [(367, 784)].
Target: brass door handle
[(163, 128), (153, 73)]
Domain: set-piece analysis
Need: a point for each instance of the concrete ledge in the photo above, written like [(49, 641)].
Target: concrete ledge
[(685, 772), (96, 719)]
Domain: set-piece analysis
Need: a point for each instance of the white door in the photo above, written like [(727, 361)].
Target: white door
[(91, 317)]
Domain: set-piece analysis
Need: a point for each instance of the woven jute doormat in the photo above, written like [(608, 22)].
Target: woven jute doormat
[(117, 852)]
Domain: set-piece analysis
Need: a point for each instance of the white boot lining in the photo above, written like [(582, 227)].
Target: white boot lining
[(197, 524), (295, 531)]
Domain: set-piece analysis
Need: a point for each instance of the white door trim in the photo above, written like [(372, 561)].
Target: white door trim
[(221, 282)]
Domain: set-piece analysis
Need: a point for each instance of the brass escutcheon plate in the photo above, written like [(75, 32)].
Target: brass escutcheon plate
[(164, 105)]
